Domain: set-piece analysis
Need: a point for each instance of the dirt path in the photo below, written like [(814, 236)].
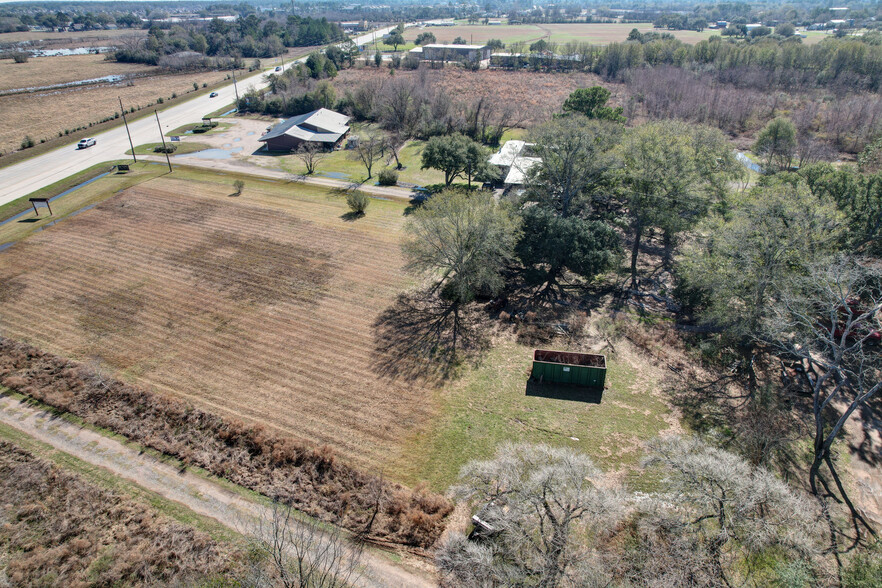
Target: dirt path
[(195, 492), (241, 167)]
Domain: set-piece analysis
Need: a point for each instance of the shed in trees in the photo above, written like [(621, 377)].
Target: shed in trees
[(566, 367)]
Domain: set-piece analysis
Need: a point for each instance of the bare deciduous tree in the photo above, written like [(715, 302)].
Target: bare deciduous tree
[(311, 155), (718, 513), (828, 320), (540, 507), (369, 150), (298, 553)]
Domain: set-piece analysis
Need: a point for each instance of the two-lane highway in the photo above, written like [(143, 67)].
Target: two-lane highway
[(22, 178)]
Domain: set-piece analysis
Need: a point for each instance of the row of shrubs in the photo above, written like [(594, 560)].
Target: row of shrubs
[(308, 478)]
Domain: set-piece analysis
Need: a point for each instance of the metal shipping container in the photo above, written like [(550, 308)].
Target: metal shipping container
[(564, 367)]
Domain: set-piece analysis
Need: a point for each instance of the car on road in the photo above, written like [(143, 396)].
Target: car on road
[(87, 142), (213, 95), (278, 68)]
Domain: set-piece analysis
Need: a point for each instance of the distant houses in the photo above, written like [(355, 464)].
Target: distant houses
[(321, 128)]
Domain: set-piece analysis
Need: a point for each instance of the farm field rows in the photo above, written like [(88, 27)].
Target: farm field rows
[(260, 307)]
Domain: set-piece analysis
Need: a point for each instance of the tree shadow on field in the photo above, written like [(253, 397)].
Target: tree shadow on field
[(350, 217), (423, 337)]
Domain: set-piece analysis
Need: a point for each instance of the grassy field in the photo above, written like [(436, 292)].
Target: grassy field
[(86, 196), (45, 71), (597, 33), (493, 403), (74, 38), (182, 147)]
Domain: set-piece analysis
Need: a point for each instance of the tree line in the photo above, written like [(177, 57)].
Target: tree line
[(249, 36), (853, 62)]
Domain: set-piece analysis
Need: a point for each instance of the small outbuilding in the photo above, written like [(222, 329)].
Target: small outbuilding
[(566, 367), (513, 160), (323, 128)]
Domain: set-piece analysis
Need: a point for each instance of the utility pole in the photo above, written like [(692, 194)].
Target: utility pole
[(164, 148), (125, 122), (236, 88)]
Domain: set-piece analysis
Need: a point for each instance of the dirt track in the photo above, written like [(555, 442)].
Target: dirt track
[(195, 492)]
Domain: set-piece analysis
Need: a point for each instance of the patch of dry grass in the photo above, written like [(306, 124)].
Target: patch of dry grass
[(537, 95), (46, 71), (60, 530), (70, 38), (596, 33)]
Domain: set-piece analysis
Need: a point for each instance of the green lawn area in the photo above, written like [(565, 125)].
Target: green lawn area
[(181, 130), (488, 405), (182, 147), (87, 195), (379, 45), (343, 165)]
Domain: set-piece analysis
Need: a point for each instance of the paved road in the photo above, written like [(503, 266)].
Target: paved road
[(199, 494), (37, 172)]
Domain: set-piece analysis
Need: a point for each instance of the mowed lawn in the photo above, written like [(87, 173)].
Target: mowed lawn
[(259, 307), (493, 403)]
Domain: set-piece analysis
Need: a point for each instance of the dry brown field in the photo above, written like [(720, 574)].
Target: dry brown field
[(45, 71), (70, 39), (259, 307), (537, 95), (597, 33), (42, 115)]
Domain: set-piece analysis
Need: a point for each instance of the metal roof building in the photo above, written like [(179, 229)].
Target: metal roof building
[(322, 127), (514, 162), (471, 53)]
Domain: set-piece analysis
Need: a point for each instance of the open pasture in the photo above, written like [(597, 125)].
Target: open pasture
[(597, 33), (71, 38), (46, 71), (259, 307)]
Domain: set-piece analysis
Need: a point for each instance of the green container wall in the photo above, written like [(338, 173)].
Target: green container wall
[(578, 375)]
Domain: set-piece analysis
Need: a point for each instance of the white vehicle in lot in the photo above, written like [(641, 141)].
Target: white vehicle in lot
[(87, 142)]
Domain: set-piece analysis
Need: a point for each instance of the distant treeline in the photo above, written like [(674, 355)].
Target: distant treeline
[(852, 63), (248, 37)]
